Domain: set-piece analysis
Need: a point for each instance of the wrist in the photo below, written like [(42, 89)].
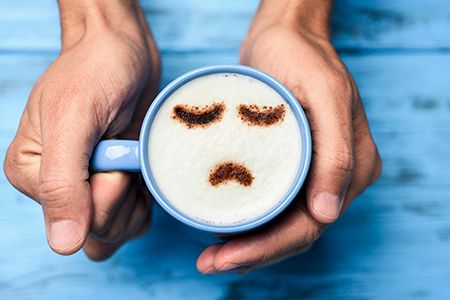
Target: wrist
[(310, 16), (83, 17)]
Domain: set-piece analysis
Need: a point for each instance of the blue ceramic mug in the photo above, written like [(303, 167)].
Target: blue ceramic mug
[(131, 156)]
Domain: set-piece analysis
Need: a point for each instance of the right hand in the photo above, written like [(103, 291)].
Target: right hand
[(100, 86), (345, 160)]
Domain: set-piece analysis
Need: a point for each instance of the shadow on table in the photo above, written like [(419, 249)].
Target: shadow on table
[(325, 270), (343, 249)]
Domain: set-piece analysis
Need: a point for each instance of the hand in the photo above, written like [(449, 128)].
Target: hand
[(99, 87), (345, 159)]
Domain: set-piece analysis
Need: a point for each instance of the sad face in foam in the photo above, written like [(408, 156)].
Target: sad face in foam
[(253, 115), (224, 149)]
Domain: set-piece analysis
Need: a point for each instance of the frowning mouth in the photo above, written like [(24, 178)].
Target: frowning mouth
[(225, 172)]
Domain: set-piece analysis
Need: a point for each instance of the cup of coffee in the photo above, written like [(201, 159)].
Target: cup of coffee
[(223, 149)]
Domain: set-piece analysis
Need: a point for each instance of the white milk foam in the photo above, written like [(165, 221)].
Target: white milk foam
[(181, 158)]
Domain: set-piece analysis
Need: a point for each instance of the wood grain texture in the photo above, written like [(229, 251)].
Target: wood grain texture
[(393, 243), (215, 24)]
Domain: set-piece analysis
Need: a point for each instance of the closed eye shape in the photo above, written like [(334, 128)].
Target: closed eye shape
[(198, 116), (255, 115)]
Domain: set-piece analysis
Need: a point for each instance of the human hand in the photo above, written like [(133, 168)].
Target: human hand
[(100, 86), (345, 159)]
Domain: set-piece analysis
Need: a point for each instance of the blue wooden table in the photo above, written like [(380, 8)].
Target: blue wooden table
[(393, 243)]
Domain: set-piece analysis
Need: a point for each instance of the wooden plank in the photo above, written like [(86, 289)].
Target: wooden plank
[(392, 244), (215, 24)]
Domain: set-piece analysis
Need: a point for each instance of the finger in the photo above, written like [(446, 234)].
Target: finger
[(64, 189), (147, 201), (110, 190), (247, 268), (367, 167), (145, 198), (332, 162), (140, 218), (22, 169), (23, 159), (98, 250), (116, 230), (205, 262), (138, 224), (295, 230)]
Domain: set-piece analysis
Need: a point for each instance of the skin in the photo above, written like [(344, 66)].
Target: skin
[(290, 40), (101, 85)]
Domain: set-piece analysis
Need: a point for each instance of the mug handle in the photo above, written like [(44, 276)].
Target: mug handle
[(116, 155)]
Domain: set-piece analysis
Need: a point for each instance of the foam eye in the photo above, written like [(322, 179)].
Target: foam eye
[(198, 116), (255, 115)]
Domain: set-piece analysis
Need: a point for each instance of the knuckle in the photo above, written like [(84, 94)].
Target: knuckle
[(377, 167), (9, 167), (343, 162), (12, 168), (53, 193), (374, 164), (340, 84)]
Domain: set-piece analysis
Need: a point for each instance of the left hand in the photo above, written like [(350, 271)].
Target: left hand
[(345, 159), (100, 86)]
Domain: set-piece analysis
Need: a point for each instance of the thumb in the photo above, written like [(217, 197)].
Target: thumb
[(67, 138), (332, 164)]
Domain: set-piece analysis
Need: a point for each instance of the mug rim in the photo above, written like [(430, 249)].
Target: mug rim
[(243, 70)]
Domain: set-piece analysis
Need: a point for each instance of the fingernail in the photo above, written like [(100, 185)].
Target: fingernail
[(64, 235), (229, 267), (327, 205)]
